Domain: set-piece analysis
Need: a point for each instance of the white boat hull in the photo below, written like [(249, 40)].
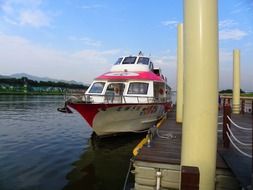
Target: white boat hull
[(107, 119), (126, 118)]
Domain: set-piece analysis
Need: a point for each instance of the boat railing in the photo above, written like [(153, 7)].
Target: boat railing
[(121, 99), (80, 96), (74, 95)]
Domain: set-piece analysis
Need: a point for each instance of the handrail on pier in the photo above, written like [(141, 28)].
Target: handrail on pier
[(226, 100), (226, 125), (228, 135), (239, 127), (237, 140)]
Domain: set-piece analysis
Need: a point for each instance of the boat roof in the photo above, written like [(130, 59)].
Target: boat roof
[(125, 75)]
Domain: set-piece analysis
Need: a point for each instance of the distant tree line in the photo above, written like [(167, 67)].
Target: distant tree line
[(230, 91), (25, 81)]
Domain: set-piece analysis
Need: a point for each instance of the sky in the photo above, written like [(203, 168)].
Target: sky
[(81, 39)]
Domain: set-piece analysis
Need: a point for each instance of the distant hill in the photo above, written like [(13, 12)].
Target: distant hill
[(36, 78), (4, 76)]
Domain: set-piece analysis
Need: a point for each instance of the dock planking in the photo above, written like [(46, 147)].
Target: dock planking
[(168, 150)]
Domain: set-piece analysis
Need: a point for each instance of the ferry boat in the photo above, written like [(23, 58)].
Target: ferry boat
[(131, 97)]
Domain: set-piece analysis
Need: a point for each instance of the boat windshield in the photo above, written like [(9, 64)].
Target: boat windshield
[(129, 60), (118, 61), (143, 60), (97, 87)]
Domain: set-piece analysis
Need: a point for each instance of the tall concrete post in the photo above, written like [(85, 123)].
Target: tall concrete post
[(200, 109), (236, 81), (180, 68)]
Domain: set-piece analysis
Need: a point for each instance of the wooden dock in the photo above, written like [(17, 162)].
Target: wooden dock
[(163, 155)]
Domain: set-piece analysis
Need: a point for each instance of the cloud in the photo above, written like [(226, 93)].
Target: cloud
[(18, 54), (167, 61), (87, 41), (25, 13), (243, 6), (228, 30), (226, 70), (228, 23), (232, 34), (94, 53), (170, 23), (238, 10), (35, 18), (94, 6), (10, 21)]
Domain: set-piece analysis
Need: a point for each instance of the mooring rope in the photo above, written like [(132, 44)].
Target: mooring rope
[(128, 172), (237, 140), (238, 149), (143, 131), (166, 136), (239, 127)]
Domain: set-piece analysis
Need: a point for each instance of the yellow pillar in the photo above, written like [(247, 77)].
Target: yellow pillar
[(200, 109), (236, 83), (180, 68)]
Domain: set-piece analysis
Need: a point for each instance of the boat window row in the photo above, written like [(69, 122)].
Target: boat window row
[(118, 88), (129, 60), (118, 61), (138, 88), (132, 60), (97, 87)]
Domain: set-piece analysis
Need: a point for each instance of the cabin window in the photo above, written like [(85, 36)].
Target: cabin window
[(143, 60), (115, 89), (129, 60), (138, 88), (157, 71), (118, 61), (97, 87)]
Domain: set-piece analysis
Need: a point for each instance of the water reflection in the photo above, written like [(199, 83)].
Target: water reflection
[(40, 148), (104, 165)]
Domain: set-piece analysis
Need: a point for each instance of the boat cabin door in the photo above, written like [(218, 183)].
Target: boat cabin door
[(159, 91), (114, 93)]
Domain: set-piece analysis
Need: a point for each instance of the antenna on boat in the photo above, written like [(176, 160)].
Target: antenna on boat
[(140, 53)]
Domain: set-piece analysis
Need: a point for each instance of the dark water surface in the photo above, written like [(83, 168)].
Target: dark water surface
[(43, 149)]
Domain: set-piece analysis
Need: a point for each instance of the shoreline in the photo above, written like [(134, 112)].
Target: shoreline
[(32, 93)]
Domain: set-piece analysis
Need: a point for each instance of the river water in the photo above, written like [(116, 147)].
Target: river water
[(42, 149)]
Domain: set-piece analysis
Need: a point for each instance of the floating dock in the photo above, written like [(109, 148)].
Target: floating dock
[(158, 163)]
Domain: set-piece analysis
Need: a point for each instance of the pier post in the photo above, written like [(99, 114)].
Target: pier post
[(226, 113), (189, 178), (243, 106), (252, 111), (236, 81), (199, 136), (180, 71)]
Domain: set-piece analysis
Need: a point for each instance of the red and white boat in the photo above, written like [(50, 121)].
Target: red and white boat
[(132, 97)]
